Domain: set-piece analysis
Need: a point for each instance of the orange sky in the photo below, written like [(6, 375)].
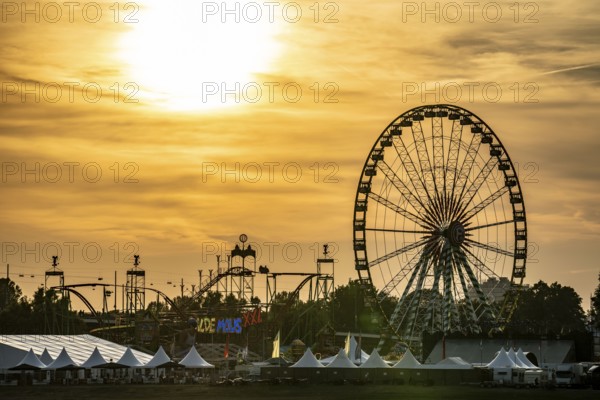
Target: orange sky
[(172, 137)]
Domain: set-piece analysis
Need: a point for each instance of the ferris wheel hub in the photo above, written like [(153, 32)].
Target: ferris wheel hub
[(455, 233)]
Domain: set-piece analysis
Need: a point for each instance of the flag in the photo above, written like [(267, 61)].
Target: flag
[(226, 352), (347, 346), (275, 353), (358, 351)]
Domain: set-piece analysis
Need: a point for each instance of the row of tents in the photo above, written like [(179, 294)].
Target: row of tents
[(97, 361)]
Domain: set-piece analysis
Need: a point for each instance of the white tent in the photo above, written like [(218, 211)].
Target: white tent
[(341, 361), (407, 361), (62, 361), (352, 348), (30, 360), (451, 363), (193, 359), (308, 360), (524, 360), (46, 358), (502, 360), (355, 358), (159, 358), (502, 367), (94, 360), (14, 347), (129, 359), (513, 356), (375, 361)]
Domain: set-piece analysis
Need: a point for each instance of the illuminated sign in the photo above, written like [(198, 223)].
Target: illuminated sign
[(221, 325), (229, 325)]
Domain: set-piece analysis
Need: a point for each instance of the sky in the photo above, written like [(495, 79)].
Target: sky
[(167, 129)]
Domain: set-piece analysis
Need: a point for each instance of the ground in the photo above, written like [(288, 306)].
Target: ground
[(313, 392)]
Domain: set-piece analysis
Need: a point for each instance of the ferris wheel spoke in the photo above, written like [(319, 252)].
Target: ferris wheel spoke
[(439, 168), (401, 309), (413, 175), (484, 173), (399, 251), (424, 159), (470, 313), (453, 153), (415, 300), (397, 183), (489, 247), (396, 231), (489, 225), (399, 210), (448, 284), (435, 289), (467, 165), (465, 216), (474, 282), (487, 271), (399, 277)]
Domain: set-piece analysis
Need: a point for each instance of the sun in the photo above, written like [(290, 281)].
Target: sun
[(189, 55)]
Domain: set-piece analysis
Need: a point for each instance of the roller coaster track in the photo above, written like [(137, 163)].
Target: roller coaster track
[(70, 289), (234, 271)]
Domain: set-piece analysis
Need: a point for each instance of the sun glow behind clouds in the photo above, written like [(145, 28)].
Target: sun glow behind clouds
[(181, 50)]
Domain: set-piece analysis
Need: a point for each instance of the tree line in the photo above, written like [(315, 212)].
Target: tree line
[(541, 309)]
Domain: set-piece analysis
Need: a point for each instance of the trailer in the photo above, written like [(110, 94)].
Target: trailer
[(570, 375)]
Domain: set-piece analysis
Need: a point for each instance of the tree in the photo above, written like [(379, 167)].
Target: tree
[(543, 309), (352, 312), (595, 306), (10, 293)]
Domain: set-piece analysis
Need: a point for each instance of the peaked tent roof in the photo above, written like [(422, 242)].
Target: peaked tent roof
[(129, 359), (193, 359), (374, 361), (407, 361), (451, 363), (46, 358), (523, 358), (63, 360), (352, 356), (513, 356), (308, 360), (14, 347), (159, 358), (94, 359), (341, 361), (30, 360), (502, 360)]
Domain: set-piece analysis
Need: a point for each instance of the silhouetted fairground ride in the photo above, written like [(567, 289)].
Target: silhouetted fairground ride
[(440, 225), (180, 315)]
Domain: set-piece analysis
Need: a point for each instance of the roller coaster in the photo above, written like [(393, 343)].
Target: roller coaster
[(179, 313)]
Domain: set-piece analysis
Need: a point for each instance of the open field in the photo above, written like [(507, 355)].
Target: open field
[(314, 392)]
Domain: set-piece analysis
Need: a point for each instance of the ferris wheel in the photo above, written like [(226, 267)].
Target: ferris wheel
[(440, 230)]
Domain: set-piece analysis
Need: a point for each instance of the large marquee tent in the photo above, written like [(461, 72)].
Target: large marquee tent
[(14, 348)]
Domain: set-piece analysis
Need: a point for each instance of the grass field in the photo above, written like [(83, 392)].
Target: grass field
[(283, 392)]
